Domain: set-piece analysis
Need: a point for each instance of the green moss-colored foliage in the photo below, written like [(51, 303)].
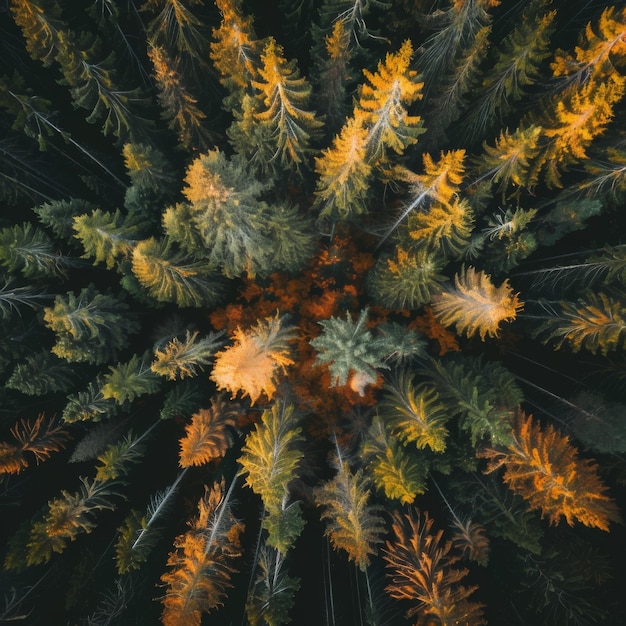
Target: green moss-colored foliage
[(278, 281)]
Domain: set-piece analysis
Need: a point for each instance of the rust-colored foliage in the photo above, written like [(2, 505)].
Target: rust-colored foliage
[(543, 467), (433, 329), (422, 571), (207, 435), (41, 437), (200, 568)]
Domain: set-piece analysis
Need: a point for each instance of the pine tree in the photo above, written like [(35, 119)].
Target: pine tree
[(476, 305), (180, 108), (601, 49), (352, 352), (508, 163), (254, 362), (578, 116), (68, 516), (226, 217), (127, 381), (352, 523), (272, 595), (270, 460), (89, 405), (177, 29), (407, 278), (200, 567), (422, 570), (596, 323), (41, 437), (42, 373), (27, 249), (104, 236), (516, 67), (398, 473), (90, 327), (344, 173), (437, 188), (414, 413), (170, 275), (182, 359), (209, 434), (235, 51), (382, 105), (543, 467), (283, 97)]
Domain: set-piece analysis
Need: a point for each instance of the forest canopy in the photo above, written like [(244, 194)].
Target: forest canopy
[(313, 312)]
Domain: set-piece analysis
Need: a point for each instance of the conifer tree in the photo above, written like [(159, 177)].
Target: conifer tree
[(104, 236), (173, 276), (91, 326), (544, 468), (235, 51), (200, 567), (476, 305), (226, 216), (422, 570), (180, 108), (254, 362), (398, 473), (208, 435), (182, 359), (281, 107), (353, 524), (270, 460), (41, 437)]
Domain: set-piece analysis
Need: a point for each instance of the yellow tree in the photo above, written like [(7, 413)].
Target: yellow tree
[(476, 305), (281, 105), (201, 566), (40, 26), (579, 116), (235, 50), (177, 29), (599, 51), (256, 359), (383, 100), (435, 195), (508, 162), (41, 437), (344, 173)]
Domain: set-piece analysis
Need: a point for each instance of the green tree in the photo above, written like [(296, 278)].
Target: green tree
[(104, 236), (27, 249), (42, 373), (269, 460), (353, 524), (91, 326), (170, 275), (127, 381)]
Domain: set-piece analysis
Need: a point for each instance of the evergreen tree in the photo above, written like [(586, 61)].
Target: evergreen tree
[(90, 326)]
